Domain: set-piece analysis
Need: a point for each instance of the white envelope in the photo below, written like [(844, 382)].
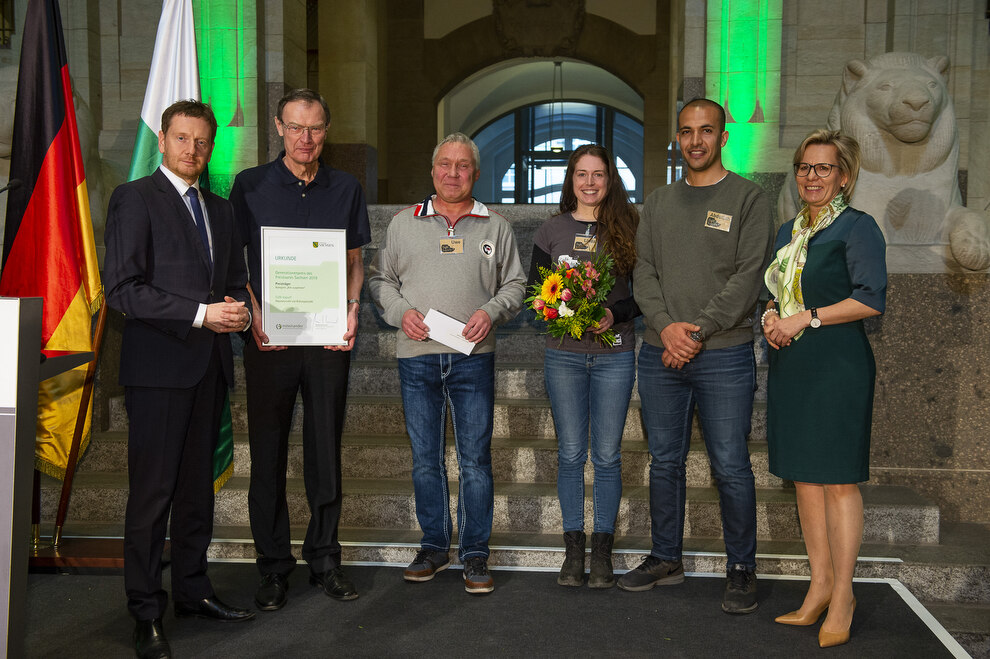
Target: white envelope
[(447, 331)]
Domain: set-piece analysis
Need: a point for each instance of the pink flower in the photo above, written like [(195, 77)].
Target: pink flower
[(538, 303), (585, 285), (589, 270), (550, 313), (591, 292), (566, 294)]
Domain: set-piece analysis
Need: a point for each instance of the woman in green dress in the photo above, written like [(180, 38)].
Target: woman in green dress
[(828, 275)]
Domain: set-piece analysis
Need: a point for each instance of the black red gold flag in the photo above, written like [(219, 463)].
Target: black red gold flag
[(48, 247)]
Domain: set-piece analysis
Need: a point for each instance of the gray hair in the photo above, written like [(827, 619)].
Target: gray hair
[(459, 138)]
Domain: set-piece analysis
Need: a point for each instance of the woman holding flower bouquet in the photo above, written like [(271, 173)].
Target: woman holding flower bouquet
[(580, 278)]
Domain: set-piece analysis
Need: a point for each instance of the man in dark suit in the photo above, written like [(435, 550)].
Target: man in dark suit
[(175, 268)]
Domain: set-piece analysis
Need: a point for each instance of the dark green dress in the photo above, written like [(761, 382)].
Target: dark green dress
[(820, 388)]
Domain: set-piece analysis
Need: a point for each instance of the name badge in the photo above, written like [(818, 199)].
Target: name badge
[(452, 246), (585, 243), (719, 221)]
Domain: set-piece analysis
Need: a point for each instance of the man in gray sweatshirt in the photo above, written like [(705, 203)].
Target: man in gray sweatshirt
[(451, 255), (702, 245)]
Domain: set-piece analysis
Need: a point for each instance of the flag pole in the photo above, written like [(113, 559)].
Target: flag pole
[(87, 392), (36, 511)]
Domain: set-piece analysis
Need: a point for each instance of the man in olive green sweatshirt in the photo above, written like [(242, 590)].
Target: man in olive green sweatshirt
[(702, 245)]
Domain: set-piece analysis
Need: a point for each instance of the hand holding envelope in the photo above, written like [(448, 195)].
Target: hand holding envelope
[(448, 331)]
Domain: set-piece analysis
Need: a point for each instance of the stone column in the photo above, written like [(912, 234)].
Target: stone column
[(348, 80), (658, 101), (281, 63)]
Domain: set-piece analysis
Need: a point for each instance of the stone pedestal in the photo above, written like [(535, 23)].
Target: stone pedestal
[(931, 417)]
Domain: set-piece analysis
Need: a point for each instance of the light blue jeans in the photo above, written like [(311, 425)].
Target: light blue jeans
[(465, 383), (589, 395)]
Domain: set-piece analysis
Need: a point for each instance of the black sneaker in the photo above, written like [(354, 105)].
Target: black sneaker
[(740, 591), (652, 572), (477, 579), (426, 564)]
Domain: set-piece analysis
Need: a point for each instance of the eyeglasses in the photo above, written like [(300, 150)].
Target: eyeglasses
[(295, 130), (823, 169)]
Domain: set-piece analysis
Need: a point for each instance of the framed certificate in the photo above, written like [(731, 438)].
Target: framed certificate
[(304, 286)]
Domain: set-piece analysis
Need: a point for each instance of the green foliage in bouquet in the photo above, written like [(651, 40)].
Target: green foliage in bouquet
[(571, 297)]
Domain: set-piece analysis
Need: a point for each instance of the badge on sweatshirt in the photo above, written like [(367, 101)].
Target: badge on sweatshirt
[(585, 243), (487, 248), (452, 246), (719, 221)]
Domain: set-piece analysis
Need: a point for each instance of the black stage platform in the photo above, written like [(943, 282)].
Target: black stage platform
[(528, 615)]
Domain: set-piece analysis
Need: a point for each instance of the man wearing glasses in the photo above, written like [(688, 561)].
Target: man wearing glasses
[(297, 190), (702, 245)]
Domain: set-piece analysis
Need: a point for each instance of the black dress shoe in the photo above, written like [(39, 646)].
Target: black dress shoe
[(335, 584), (212, 608), (271, 592), (150, 641)]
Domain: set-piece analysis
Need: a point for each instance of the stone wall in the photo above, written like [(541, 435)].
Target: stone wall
[(931, 419)]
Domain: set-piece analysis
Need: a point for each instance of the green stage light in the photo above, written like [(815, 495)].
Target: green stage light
[(743, 55), (227, 43)]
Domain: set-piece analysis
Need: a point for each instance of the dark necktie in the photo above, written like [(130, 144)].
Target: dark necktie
[(200, 220)]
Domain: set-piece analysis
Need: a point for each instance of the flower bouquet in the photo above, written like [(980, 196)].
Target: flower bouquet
[(571, 296)]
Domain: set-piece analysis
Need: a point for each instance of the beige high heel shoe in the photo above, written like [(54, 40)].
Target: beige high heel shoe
[(828, 639), (798, 620)]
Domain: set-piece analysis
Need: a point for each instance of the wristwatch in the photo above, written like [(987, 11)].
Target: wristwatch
[(696, 336), (816, 322)]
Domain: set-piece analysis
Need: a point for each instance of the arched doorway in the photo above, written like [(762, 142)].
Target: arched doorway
[(527, 115)]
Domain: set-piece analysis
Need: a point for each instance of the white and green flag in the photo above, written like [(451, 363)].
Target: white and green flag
[(174, 77)]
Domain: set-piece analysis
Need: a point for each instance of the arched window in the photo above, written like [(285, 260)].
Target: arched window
[(524, 152)]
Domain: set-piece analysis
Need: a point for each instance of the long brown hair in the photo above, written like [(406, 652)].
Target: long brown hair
[(617, 218)]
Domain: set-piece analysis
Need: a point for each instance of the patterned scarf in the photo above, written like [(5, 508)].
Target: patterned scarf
[(783, 277)]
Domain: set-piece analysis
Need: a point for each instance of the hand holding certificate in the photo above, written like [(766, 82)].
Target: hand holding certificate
[(304, 286)]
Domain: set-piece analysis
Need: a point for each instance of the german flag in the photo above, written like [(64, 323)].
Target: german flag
[(48, 246)]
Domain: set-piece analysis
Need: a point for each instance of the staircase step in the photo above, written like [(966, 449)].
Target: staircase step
[(518, 367), (383, 415), (893, 515), (513, 460), (951, 579)]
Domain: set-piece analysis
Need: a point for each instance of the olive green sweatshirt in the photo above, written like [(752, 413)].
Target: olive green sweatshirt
[(701, 253)]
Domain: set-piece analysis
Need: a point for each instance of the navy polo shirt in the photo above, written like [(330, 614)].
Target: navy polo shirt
[(271, 195)]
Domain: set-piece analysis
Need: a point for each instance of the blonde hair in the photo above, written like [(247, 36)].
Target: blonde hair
[(846, 149)]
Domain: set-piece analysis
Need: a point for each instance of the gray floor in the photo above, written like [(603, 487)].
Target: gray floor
[(84, 615)]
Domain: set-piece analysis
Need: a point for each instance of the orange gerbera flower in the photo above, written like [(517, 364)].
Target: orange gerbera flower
[(551, 288)]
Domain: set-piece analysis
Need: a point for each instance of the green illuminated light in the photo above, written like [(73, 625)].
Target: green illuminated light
[(226, 39), (744, 39)]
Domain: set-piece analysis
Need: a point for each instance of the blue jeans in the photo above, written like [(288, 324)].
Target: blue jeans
[(589, 393), (722, 383), (465, 383)]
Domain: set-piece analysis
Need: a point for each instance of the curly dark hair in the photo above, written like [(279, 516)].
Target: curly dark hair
[(617, 218)]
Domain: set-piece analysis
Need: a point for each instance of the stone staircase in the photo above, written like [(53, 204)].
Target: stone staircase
[(947, 566)]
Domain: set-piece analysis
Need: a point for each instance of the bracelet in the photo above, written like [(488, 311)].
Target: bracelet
[(354, 301), (763, 318)]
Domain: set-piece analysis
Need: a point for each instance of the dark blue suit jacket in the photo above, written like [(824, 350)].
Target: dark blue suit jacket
[(157, 273)]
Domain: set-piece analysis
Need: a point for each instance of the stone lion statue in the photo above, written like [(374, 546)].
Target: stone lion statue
[(898, 108)]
